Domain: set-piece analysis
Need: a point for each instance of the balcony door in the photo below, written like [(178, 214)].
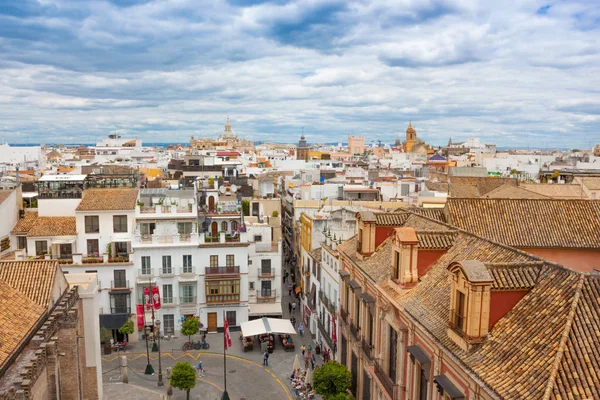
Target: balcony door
[(214, 228), (265, 288)]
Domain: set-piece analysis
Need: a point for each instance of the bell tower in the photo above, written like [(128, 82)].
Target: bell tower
[(411, 136)]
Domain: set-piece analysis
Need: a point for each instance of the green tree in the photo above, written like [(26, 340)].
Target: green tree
[(331, 380), (127, 328), (514, 172), (183, 377), (275, 214), (246, 207), (190, 327)]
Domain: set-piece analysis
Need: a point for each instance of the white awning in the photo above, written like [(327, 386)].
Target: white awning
[(29, 195), (64, 241), (267, 325), (264, 309)]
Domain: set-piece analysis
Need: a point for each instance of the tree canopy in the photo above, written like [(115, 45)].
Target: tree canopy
[(332, 379), (127, 328), (183, 377), (190, 327)]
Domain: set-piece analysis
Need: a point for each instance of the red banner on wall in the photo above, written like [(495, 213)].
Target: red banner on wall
[(156, 297), (140, 316), (147, 298)]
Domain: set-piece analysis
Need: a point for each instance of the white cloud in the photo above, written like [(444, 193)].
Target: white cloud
[(170, 69)]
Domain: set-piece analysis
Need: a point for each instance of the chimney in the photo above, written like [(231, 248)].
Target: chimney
[(405, 252)]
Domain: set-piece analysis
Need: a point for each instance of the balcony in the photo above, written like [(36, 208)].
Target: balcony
[(325, 334), (266, 273), (354, 330), (366, 348), (222, 298), (119, 285), (344, 315), (145, 275), (187, 300), (326, 302), (63, 258), (166, 272), (266, 295), (215, 271), (168, 301), (187, 271), (385, 380), (120, 310)]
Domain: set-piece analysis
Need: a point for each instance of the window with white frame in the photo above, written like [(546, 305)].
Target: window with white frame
[(187, 264), (146, 266), (166, 265)]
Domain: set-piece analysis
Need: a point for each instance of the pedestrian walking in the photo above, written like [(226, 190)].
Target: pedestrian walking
[(303, 349), (312, 363), (309, 349), (294, 307), (305, 362), (200, 369), (290, 289), (266, 358), (290, 307), (293, 320), (301, 329)]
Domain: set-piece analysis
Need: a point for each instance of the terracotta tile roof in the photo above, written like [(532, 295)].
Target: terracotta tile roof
[(18, 317), (463, 191), (426, 224), (4, 195), (378, 266), (517, 360), (508, 276), (436, 240), (556, 191), (33, 279), (513, 192), (578, 374), (433, 213), (316, 254), (529, 223), (108, 199), (53, 226), (437, 186), (390, 219), (25, 224)]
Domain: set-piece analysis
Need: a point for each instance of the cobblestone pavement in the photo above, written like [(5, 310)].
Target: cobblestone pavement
[(246, 377)]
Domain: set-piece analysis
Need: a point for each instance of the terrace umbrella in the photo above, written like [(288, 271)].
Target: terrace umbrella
[(297, 365), (309, 377)]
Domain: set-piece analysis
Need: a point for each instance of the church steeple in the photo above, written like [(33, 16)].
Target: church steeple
[(411, 136)]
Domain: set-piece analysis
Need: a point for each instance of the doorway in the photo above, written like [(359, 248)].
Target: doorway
[(212, 321), (211, 203), (214, 229)]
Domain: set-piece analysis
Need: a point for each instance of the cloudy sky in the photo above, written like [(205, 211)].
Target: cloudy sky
[(510, 72)]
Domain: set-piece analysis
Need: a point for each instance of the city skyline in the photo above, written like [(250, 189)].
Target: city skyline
[(518, 75)]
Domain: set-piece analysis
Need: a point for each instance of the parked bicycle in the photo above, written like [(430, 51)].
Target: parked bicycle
[(199, 345)]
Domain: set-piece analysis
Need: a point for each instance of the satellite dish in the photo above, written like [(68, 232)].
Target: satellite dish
[(222, 189), (233, 188)]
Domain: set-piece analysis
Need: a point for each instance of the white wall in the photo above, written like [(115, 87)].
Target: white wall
[(10, 216), (106, 233), (57, 207)]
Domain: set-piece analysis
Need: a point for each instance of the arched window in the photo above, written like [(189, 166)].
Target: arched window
[(234, 226), (224, 226)]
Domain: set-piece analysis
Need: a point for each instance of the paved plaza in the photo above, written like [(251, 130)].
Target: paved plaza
[(246, 376)]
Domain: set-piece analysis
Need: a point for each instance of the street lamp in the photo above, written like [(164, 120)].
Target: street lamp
[(160, 381), (149, 369)]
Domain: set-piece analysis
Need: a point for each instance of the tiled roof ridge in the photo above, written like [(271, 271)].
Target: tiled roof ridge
[(563, 340), (515, 263)]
